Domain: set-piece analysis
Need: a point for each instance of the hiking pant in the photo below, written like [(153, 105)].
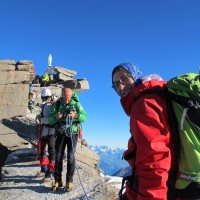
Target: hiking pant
[(61, 142), (48, 162)]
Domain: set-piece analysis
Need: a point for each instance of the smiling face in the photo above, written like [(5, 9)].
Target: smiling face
[(122, 82)]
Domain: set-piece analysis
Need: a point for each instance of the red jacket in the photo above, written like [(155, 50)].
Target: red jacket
[(151, 141)]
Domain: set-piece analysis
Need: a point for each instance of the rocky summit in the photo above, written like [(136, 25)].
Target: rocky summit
[(18, 153)]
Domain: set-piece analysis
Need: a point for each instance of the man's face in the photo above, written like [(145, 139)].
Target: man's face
[(67, 95), (122, 82)]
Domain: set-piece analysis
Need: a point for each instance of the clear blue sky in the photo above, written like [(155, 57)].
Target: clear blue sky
[(92, 36)]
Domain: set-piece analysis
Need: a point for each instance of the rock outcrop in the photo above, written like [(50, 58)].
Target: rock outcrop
[(15, 79), (18, 139), (14, 88)]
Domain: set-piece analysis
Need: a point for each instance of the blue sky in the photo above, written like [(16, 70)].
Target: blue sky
[(92, 36)]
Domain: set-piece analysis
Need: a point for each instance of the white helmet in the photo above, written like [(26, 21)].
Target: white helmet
[(46, 92)]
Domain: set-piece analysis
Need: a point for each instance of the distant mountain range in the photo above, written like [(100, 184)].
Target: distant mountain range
[(110, 159), (126, 171)]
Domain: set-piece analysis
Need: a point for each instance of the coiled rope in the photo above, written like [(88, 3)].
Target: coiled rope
[(69, 125)]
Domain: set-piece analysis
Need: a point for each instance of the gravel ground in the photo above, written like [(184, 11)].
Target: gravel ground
[(20, 183)]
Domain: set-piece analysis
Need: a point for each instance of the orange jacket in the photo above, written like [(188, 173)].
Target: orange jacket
[(150, 140)]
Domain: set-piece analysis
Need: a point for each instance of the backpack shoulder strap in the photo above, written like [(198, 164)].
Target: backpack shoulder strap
[(42, 110), (57, 105)]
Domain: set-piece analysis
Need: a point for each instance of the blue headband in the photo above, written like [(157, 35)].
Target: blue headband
[(134, 70)]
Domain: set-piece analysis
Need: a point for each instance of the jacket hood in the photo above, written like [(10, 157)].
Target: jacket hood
[(150, 77), (128, 101), (133, 69), (75, 96)]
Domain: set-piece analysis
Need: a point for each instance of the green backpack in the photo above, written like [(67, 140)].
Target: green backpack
[(184, 93), (183, 96)]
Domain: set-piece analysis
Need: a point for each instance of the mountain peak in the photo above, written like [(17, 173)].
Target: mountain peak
[(110, 158)]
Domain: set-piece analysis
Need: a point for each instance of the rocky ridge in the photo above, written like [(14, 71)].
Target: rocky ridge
[(18, 155)]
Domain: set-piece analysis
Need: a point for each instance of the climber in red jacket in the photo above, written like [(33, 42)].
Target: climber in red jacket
[(150, 152)]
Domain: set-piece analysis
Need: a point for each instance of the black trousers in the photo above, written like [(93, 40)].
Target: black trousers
[(61, 142), (50, 142)]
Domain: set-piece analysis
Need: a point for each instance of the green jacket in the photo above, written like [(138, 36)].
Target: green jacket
[(45, 77), (64, 108)]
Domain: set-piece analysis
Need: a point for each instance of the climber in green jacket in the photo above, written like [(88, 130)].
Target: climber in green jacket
[(66, 107)]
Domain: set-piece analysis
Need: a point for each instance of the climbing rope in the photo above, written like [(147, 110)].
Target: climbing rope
[(69, 134)]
